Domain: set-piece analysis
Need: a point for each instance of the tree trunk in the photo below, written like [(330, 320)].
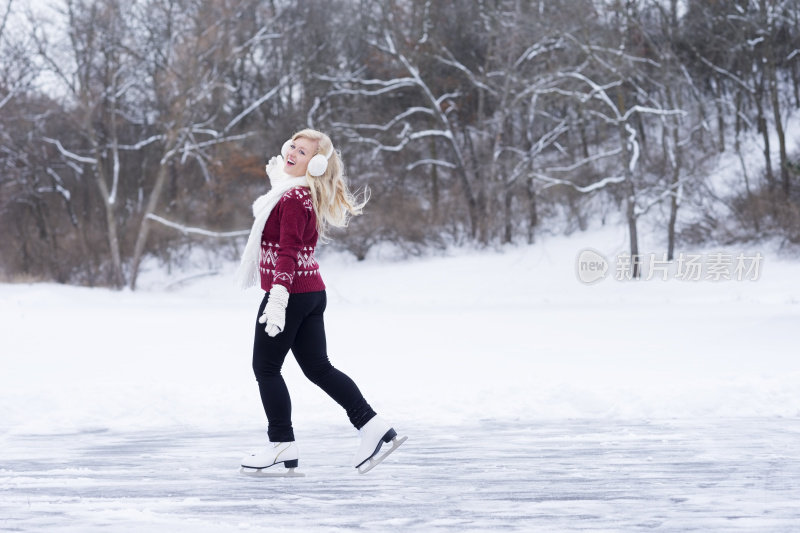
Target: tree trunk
[(117, 274), (738, 150), (582, 133), (776, 116), (630, 190), (509, 222), (764, 130), (630, 213), (533, 215), (720, 114), (673, 210), (144, 226), (434, 185), (795, 72), (795, 77), (768, 62), (677, 156), (677, 164)]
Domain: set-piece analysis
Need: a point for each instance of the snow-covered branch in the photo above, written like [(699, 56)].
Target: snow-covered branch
[(727, 73), (451, 61), (6, 99), (538, 49), (67, 153), (551, 182), (141, 144), (598, 91), (385, 87), (620, 54), (407, 137), (185, 148), (549, 137), (387, 126), (58, 186), (435, 162), (252, 107), (666, 193), (187, 230), (651, 111), (260, 36), (576, 165)]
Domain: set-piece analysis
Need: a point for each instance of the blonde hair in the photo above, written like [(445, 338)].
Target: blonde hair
[(334, 203)]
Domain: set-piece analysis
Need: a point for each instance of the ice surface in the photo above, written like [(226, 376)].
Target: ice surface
[(532, 402), (591, 475)]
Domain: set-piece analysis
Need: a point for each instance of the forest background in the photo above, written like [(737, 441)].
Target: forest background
[(138, 130)]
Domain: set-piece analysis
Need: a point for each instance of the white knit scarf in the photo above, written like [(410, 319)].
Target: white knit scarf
[(247, 274)]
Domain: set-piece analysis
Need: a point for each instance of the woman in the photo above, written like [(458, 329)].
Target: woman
[(309, 194)]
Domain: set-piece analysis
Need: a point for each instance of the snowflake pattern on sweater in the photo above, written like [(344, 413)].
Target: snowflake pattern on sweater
[(288, 243)]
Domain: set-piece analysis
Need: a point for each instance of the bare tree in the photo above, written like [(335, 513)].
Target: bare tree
[(151, 81), (445, 110), (96, 73), (614, 84)]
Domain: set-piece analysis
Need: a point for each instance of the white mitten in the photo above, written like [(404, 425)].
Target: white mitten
[(274, 315), (275, 169)]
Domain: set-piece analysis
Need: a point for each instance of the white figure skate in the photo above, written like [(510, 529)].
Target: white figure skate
[(374, 434), (258, 464)]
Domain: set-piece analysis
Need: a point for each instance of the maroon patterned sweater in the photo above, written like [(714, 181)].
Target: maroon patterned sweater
[(288, 243)]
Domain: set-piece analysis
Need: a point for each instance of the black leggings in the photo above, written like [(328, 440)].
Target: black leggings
[(304, 334)]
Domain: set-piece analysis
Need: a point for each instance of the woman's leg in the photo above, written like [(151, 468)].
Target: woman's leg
[(310, 350), (268, 356)]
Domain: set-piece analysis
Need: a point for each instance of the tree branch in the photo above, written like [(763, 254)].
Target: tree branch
[(186, 230)]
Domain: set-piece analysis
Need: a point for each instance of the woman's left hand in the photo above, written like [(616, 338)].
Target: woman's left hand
[(274, 315)]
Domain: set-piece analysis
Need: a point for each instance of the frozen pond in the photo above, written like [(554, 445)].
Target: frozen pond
[(592, 475)]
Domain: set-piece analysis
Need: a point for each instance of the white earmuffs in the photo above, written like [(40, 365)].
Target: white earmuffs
[(317, 165)]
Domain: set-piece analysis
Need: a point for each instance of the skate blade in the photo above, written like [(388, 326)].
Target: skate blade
[(375, 460), (266, 472)]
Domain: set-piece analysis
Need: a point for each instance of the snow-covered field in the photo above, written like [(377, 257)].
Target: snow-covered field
[(532, 401)]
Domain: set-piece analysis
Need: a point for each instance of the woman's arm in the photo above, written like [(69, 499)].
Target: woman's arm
[(294, 219)]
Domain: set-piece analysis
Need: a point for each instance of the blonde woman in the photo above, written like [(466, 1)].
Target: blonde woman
[(309, 194)]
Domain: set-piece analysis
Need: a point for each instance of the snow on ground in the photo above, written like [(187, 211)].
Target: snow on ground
[(533, 401)]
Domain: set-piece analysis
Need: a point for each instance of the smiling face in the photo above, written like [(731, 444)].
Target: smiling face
[(300, 152)]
